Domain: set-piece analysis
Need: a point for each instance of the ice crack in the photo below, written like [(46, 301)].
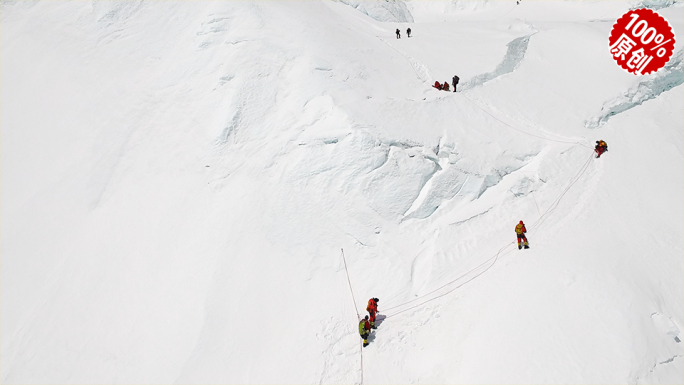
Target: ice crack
[(669, 77)]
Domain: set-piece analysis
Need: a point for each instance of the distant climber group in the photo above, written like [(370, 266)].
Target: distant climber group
[(437, 85), (368, 323), (445, 86), (398, 32)]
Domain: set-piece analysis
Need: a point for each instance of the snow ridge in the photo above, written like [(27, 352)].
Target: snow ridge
[(664, 80), (512, 59), (657, 4), (389, 11)]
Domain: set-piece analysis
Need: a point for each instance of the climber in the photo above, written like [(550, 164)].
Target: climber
[(520, 231), (438, 85), (364, 330), (398, 33), (601, 147), (372, 309), (408, 32), (454, 81), (445, 87)]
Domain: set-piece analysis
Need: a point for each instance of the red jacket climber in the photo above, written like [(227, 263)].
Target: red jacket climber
[(520, 231), (601, 147), (372, 309), (438, 85)]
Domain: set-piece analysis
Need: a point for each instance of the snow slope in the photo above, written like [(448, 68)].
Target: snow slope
[(178, 180)]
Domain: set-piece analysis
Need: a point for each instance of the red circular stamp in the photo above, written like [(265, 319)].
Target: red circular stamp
[(641, 41)]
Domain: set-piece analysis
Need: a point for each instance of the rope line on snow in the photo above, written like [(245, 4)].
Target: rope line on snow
[(350, 286), (517, 129), (535, 203), (554, 205), (535, 225), (443, 286), (495, 257), (358, 317), (402, 55)]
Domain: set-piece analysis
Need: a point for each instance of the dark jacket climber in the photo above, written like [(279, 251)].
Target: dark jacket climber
[(408, 32), (454, 81), (364, 330), (520, 231), (398, 33)]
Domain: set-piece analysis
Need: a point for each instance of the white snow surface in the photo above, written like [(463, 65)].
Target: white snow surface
[(178, 180)]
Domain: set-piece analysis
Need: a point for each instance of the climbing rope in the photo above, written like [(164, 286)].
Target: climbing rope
[(537, 224), (494, 258), (350, 286), (517, 129), (554, 205), (535, 203), (358, 317), (404, 56)]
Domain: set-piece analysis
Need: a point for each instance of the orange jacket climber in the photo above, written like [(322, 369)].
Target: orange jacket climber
[(520, 231), (446, 86), (372, 305), (372, 309)]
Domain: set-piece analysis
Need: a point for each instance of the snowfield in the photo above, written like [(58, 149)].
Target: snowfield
[(179, 180)]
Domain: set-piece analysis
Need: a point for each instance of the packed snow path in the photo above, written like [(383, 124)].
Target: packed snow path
[(178, 180)]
